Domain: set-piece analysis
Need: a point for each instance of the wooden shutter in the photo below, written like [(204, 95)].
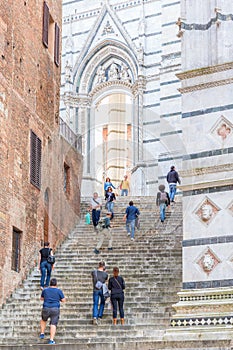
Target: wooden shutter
[(35, 160), (56, 45), (45, 30)]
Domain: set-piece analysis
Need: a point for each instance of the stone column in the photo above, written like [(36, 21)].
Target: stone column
[(205, 307), (116, 150)]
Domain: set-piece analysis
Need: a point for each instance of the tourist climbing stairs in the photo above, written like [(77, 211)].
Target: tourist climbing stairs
[(150, 265)]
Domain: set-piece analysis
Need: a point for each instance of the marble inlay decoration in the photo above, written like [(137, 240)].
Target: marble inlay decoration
[(196, 26), (207, 211), (208, 261), (202, 321)]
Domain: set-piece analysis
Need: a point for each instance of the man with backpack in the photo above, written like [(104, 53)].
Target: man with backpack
[(104, 231), (162, 200)]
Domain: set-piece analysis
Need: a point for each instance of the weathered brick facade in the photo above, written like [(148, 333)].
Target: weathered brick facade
[(29, 100)]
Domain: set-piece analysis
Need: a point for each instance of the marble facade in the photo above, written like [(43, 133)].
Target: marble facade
[(127, 48), (171, 62)]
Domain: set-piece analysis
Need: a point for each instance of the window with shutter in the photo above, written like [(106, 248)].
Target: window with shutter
[(56, 45), (35, 160), (45, 30), (66, 179), (16, 250)]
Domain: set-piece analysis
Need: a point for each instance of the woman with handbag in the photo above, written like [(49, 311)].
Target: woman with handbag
[(116, 285)]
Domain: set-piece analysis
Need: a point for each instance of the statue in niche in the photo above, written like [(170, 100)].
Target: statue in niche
[(113, 72), (101, 78), (140, 54), (124, 74), (206, 212), (223, 131), (68, 71)]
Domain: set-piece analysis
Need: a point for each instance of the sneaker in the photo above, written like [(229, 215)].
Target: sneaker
[(41, 288), (128, 234), (96, 251), (51, 342), (41, 335), (95, 322), (132, 239)]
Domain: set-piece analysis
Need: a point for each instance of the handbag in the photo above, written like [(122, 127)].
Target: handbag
[(98, 284), (105, 291), (51, 258)]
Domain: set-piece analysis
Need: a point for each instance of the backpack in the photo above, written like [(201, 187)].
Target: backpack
[(163, 197), (104, 223)]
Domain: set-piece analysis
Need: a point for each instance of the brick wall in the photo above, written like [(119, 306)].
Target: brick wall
[(29, 100)]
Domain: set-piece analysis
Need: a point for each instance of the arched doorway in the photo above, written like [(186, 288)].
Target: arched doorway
[(112, 120)]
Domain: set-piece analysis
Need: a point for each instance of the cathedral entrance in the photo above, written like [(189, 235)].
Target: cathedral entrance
[(112, 151)]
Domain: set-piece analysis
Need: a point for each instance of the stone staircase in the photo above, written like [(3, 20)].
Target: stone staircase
[(151, 267)]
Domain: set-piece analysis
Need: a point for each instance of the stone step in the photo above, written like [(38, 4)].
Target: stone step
[(149, 264)]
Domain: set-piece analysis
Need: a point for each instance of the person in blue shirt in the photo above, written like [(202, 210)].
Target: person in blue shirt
[(51, 296), (130, 216), (108, 184)]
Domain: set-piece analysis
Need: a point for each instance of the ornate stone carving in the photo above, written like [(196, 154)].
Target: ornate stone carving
[(113, 73), (108, 29), (68, 71), (124, 73), (203, 71), (109, 84), (101, 77), (222, 129), (207, 211), (208, 261), (205, 85), (207, 170)]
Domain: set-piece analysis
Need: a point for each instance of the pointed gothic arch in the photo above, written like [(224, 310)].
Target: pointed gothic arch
[(90, 90), (108, 50)]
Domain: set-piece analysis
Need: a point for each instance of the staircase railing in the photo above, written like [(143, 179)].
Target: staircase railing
[(74, 139)]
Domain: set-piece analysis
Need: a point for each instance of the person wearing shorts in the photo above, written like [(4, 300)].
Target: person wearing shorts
[(51, 297)]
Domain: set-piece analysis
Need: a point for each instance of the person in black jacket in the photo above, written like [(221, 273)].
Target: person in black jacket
[(172, 179), (116, 285)]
